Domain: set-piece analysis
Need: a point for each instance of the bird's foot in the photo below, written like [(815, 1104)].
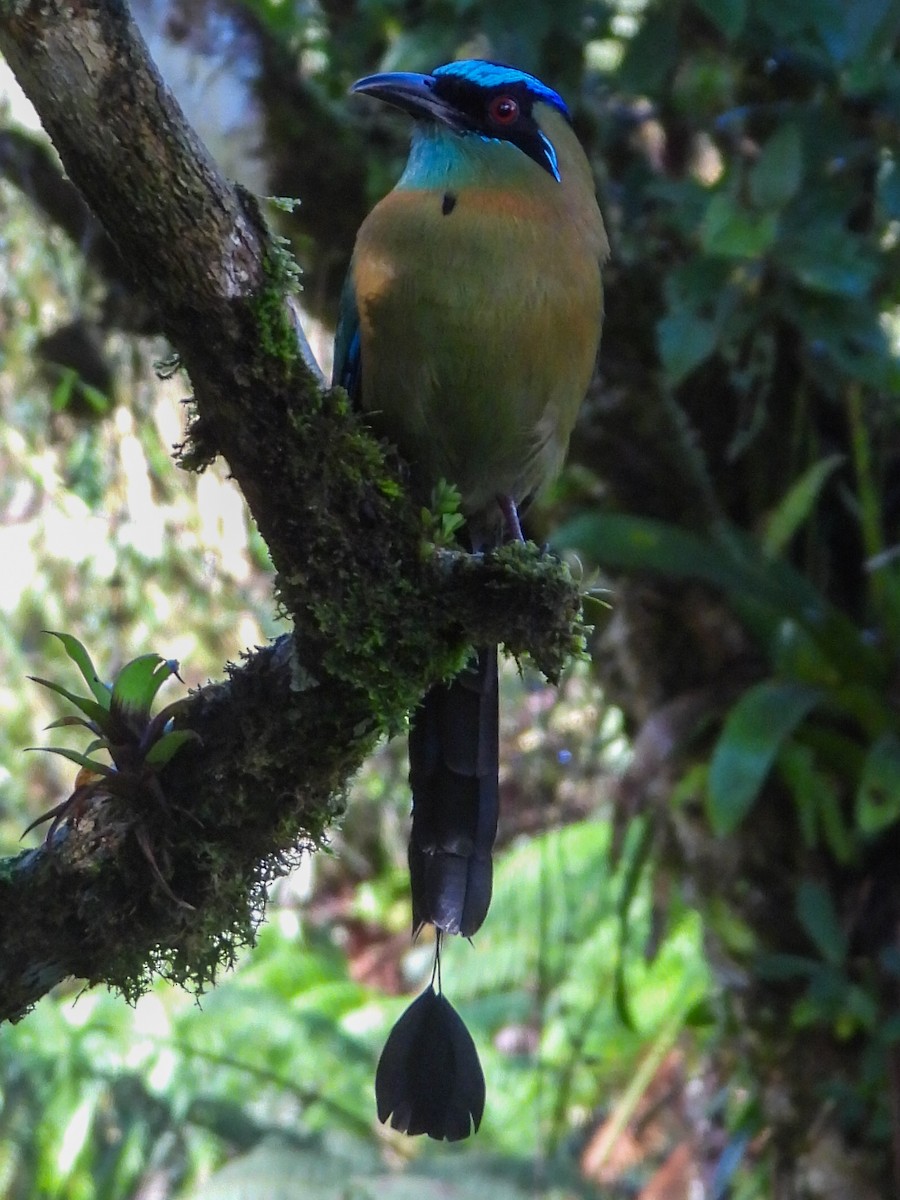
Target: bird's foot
[(511, 521)]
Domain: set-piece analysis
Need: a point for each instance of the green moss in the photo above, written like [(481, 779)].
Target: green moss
[(275, 331), (557, 631)]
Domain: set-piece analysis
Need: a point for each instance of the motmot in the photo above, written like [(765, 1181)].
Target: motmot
[(469, 330)]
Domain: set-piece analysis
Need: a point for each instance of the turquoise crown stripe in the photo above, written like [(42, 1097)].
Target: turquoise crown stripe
[(490, 75)]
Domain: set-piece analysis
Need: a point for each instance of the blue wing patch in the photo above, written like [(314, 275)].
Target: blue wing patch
[(347, 359)]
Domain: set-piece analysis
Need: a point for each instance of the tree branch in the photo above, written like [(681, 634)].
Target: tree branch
[(375, 619)]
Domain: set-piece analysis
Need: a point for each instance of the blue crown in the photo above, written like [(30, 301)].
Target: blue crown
[(491, 75)]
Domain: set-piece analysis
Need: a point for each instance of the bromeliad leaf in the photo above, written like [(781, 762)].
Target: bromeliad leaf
[(92, 710), (754, 731), (136, 685), (82, 760), (139, 745), (82, 660), (64, 722), (168, 746)]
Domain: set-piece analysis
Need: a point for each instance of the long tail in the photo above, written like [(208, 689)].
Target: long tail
[(453, 769)]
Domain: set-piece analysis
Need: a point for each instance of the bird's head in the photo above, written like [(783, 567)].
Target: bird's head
[(473, 99)]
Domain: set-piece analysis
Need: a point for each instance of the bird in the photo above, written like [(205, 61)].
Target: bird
[(468, 334)]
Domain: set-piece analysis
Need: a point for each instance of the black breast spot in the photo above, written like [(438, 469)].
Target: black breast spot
[(448, 203)]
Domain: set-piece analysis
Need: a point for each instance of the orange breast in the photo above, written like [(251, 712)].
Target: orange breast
[(479, 333)]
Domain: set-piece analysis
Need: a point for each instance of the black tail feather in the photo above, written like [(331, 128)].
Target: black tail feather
[(453, 773), (429, 1079)]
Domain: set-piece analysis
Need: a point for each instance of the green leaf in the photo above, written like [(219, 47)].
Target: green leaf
[(634, 874), (818, 800), (731, 231), (818, 917), (169, 744), (685, 340), (630, 543), (81, 759), (866, 705), (82, 660), (137, 683), (878, 796), (93, 711), (795, 654), (797, 765), (827, 259), (778, 173), (727, 15), (98, 401), (65, 722), (596, 610), (783, 967), (796, 506), (852, 280), (754, 731), (62, 393), (764, 591), (838, 837)]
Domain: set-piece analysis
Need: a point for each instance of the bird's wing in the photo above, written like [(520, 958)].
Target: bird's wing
[(346, 371)]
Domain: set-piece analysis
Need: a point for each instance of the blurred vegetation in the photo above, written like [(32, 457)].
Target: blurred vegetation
[(723, 782)]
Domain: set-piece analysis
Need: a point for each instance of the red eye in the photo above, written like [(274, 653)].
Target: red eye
[(503, 110)]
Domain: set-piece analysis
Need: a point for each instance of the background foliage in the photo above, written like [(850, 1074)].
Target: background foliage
[(722, 784)]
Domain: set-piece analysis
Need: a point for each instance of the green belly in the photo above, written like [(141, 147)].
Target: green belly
[(478, 379)]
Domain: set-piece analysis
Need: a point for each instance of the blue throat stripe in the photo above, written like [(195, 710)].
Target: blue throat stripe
[(490, 75)]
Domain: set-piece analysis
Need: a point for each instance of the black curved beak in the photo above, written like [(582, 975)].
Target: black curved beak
[(411, 92)]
